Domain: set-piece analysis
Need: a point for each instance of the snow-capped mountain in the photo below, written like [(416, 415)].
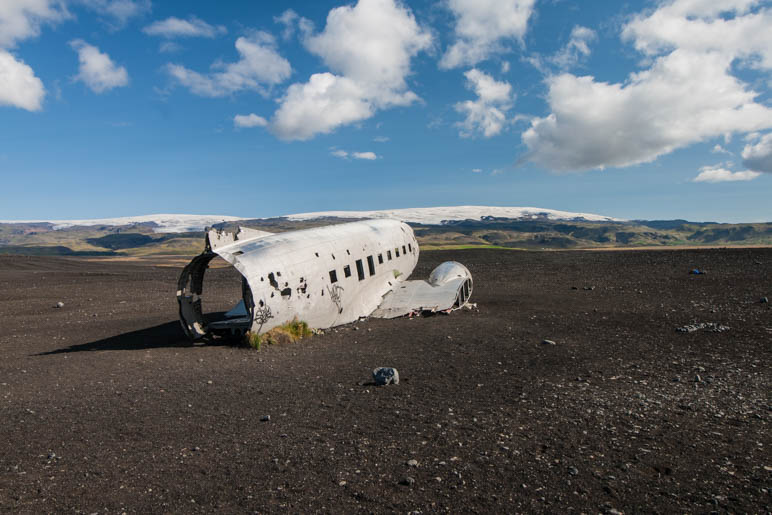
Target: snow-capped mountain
[(163, 223), (437, 215), (166, 223)]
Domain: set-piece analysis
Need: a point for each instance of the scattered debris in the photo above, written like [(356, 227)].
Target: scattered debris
[(265, 418), (548, 342), (385, 375), (764, 300), (708, 326), (408, 481), (589, 288), (59, 305), (573, 471), (697, 271)]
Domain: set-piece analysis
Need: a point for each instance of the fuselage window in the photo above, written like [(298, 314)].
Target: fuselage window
[(371, 265), (410, 247), (360, 270), (380, 259), (333, 276), (388, 254), (347, 270), (404, 250), (396, 251)]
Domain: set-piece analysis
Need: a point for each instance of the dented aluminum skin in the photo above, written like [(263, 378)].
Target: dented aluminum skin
[(325, 276)]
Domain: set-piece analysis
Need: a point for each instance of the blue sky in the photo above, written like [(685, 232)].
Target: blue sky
[(639, 109)]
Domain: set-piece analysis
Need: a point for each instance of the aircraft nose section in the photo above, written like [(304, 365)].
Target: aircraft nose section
[(448, 271)]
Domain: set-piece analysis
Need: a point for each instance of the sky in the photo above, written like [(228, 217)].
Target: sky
[(641, 109)]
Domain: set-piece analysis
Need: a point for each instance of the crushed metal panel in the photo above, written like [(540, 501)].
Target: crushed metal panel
[(449, 287)]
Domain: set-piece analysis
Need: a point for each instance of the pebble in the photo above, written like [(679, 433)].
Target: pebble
[(59, 305), (412, 463), (385, 375), (548, 342)]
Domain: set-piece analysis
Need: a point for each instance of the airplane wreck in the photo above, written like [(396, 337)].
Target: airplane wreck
[(326, 276)]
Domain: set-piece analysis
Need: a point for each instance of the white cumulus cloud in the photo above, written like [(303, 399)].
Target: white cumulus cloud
[(249, 120), (117, 12), (483, 27), (758, 156), (19, 87), (320, 105), (22, 19), (687, 95), (97, 70), (369, 47), (729, 27), (19, 20), (259, 65), (578, 47), (720, 174), (487, 114), (178, 28), (343, 154), (292, 21)]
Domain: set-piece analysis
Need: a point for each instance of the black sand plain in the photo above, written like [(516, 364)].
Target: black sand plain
[(105, 408)]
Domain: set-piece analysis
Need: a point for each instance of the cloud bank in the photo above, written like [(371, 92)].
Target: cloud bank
[(687, 95)]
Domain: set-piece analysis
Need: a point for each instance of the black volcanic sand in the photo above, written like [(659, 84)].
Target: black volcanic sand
[(106, 408)]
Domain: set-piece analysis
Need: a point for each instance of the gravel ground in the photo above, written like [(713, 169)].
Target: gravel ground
[(104, 407)]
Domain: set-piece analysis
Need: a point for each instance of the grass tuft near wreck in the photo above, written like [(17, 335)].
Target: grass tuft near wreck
[(289, 332)]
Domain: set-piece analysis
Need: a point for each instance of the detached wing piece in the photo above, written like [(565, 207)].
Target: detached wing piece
[(448, 288)]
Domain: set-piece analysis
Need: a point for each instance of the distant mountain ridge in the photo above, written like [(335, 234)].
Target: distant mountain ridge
[(423, 215), (435, 227)]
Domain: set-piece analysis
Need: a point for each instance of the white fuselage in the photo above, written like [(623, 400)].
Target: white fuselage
[(324, 276)]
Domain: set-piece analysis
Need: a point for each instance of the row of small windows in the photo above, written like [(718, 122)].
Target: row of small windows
[(370, 264)]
